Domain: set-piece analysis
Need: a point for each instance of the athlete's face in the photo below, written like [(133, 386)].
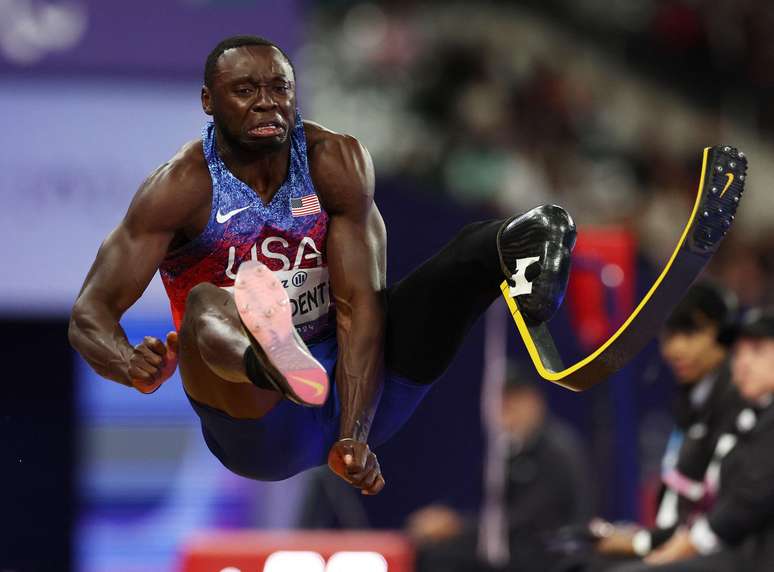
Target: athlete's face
[(252, 98), (752, 367), (692, 355)]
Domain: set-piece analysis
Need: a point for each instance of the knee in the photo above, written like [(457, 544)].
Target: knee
[(200, 299), (200, 296), (474, 238), (557, 222)]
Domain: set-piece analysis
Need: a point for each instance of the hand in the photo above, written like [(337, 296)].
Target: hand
[(619, 543), (354, 462), (433, 524), (679, 547), (152, 362)]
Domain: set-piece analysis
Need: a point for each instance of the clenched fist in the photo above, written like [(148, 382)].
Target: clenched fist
[(152, 362), (354, 462)]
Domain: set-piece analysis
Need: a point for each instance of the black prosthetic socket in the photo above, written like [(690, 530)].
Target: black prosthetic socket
[(431, 310), (546, 233), (256, 372)]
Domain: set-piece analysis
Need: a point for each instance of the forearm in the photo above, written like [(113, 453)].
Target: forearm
[(359, 371), (97, 335)]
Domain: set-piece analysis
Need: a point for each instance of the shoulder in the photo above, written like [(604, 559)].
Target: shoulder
[(176, 189), (341, 167), (185, 170)]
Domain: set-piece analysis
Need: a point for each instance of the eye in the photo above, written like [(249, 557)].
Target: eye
[(282, 88), (244, 90)]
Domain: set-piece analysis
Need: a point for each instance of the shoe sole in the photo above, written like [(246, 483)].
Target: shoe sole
[(265, 312)]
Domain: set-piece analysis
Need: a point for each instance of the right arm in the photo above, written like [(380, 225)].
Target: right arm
[(125, 264)]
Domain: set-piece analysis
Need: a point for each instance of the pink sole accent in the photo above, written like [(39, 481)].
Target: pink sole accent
[(265, 310)]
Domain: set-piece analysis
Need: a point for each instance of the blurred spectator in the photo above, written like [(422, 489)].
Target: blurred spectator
[(547, 486), (737, 533), (500, 106), (694, 344)]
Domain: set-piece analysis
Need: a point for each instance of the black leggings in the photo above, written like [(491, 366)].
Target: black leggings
[(430, 311)]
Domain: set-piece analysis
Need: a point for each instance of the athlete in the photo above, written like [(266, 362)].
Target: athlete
[(272, 252)]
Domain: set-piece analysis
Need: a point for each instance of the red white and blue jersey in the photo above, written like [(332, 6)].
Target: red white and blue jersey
[(288, 235)]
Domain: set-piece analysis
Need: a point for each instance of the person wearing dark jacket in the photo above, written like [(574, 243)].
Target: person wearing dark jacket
[(695, 344), (737, 533), (546, 485)]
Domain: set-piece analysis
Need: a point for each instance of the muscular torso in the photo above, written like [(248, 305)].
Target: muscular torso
[(328, 155)]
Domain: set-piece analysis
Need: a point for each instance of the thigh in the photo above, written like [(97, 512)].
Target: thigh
[(399, 400)]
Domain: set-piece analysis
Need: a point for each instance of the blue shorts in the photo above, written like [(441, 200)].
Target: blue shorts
[(291, 438)]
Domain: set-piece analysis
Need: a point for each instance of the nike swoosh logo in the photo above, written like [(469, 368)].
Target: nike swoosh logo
[(222, 218), (316, 385), (730, 177)]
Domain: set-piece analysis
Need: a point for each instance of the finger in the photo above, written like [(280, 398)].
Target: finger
[(376, 488), (370, 465), (374, 478), (155, 345), (138, 374), (654, 558), (139, 363), (347, 453), (147, 387), (172, 343), (371, 475), (370, 479), (151, 357), (360, 453)]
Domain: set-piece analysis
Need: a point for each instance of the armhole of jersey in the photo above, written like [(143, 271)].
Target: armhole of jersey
[(214, 205)]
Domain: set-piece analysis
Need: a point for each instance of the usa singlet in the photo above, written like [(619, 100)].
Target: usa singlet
[(288, 235)]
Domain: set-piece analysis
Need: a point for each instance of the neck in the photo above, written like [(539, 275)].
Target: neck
[(263, 170)]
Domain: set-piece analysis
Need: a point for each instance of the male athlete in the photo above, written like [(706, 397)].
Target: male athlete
[(272, 252)]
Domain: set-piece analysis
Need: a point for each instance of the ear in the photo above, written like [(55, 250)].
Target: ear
[(206, 100)]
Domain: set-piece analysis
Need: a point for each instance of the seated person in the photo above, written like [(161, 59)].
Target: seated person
[(546, 486), (695, 345), (737, 533)]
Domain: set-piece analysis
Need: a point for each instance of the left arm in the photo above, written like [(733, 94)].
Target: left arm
[(344, 175)]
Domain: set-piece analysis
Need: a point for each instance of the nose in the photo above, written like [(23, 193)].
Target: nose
[(263, 99)]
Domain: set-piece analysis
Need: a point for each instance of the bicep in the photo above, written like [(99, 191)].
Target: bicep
[(356, 253), (125, 264), (344, 173), (130, 255)]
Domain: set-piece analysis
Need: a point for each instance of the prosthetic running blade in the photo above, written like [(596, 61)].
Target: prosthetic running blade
[(723, 174)]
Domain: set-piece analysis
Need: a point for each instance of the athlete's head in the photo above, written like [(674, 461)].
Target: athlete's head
[(753, 360), (696, 336), (250, 91)]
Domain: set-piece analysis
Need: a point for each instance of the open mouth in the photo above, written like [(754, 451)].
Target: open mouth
[(268, 129)]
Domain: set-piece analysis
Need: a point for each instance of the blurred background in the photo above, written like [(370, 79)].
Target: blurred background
[(470, 110)]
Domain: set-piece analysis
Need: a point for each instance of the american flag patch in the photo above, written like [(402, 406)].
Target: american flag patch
[(304, 206)]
